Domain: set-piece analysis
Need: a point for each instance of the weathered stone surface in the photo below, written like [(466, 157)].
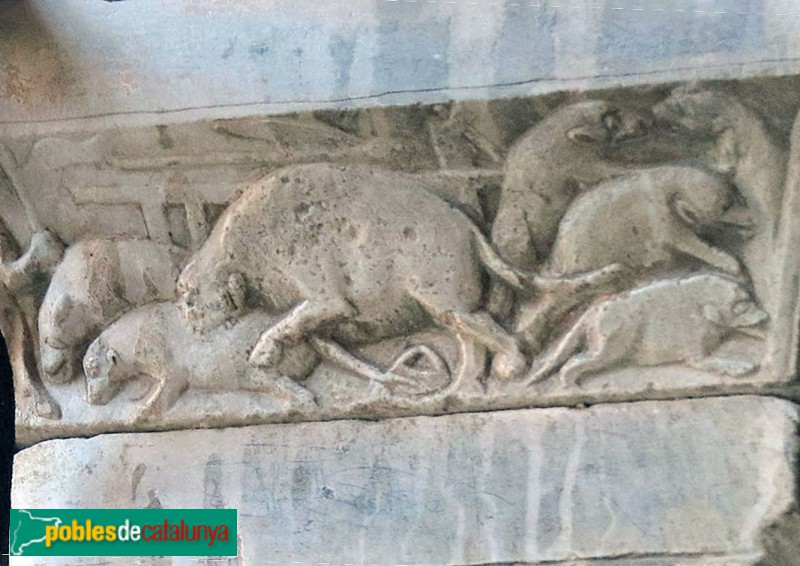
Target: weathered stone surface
[(109, 61), (677, 482), (404, 261)]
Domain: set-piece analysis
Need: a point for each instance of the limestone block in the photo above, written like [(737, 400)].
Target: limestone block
[(671, 482)]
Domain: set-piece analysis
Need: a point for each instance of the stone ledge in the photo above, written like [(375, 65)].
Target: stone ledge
[(631, 480)]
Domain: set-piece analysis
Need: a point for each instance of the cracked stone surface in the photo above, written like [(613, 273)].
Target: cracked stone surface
[(633, 480)]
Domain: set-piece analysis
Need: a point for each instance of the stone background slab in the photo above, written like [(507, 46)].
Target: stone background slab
[(695, 480), (158, 61)]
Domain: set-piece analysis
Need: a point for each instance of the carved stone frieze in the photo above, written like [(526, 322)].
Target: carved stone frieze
[(624, 244)]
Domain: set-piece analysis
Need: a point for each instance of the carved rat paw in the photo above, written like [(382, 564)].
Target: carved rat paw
[(46, 407), (266, 353), (736, 368), (509, 365)]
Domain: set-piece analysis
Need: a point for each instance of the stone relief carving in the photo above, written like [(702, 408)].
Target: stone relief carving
[(609, 237)]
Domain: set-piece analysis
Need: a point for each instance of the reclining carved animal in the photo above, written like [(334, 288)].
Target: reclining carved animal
[(157, 341), (96, 282), (645, 221), (354, 254), (681, 320)]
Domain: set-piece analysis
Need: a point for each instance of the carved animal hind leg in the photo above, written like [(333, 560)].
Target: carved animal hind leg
[(508, 359), (600, 356), (297, 324), (282, 386), (724, 366)]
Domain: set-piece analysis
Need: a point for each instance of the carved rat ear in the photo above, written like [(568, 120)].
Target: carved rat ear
[(237, 289), (588, 133), (712, 313), (684, 211)]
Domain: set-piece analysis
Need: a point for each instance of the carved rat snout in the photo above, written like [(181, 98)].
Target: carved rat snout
[(747, 314)]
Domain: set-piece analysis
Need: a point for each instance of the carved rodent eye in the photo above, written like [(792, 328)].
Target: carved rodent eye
[(112, 357), (612, 121)]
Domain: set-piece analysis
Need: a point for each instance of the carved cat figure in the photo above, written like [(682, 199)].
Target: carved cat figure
[(679, 320)]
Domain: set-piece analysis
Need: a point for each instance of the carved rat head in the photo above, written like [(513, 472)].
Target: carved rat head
[(597, 122), (211, 297), (102, 367), (711, 205), (703, 112), (730, 305)]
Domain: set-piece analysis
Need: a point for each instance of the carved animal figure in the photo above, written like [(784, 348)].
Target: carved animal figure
[(646, 218), (643, 221), (744, 143), (355, 254), (157, 341), (758, 161), (671, 321), (97, 281), (550, 166)]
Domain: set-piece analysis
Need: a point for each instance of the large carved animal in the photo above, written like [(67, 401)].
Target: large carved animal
[(671, 321), (549, 167), (355, 254), (757, 159), (646, 221), (158, 342), (96, 282)]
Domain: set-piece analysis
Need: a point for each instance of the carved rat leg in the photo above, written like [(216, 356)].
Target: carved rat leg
[(560, 296), (723, 366), (508, 359), (580, 368), (165, 394), (693, 246), (282, 386), (298, 323)]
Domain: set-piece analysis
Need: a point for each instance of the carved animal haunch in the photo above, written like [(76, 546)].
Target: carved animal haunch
[(351, 253), (671, 321), (157, 341), (97, 281)]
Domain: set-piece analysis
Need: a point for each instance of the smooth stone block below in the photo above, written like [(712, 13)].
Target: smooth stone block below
[(657, 482)]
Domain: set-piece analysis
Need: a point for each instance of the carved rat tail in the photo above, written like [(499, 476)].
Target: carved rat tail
[(557, 356), (496, 264)]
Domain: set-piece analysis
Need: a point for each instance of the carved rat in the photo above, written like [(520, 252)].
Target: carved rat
[(157, 341), (96, 282), (680, 320), (351, 253)]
